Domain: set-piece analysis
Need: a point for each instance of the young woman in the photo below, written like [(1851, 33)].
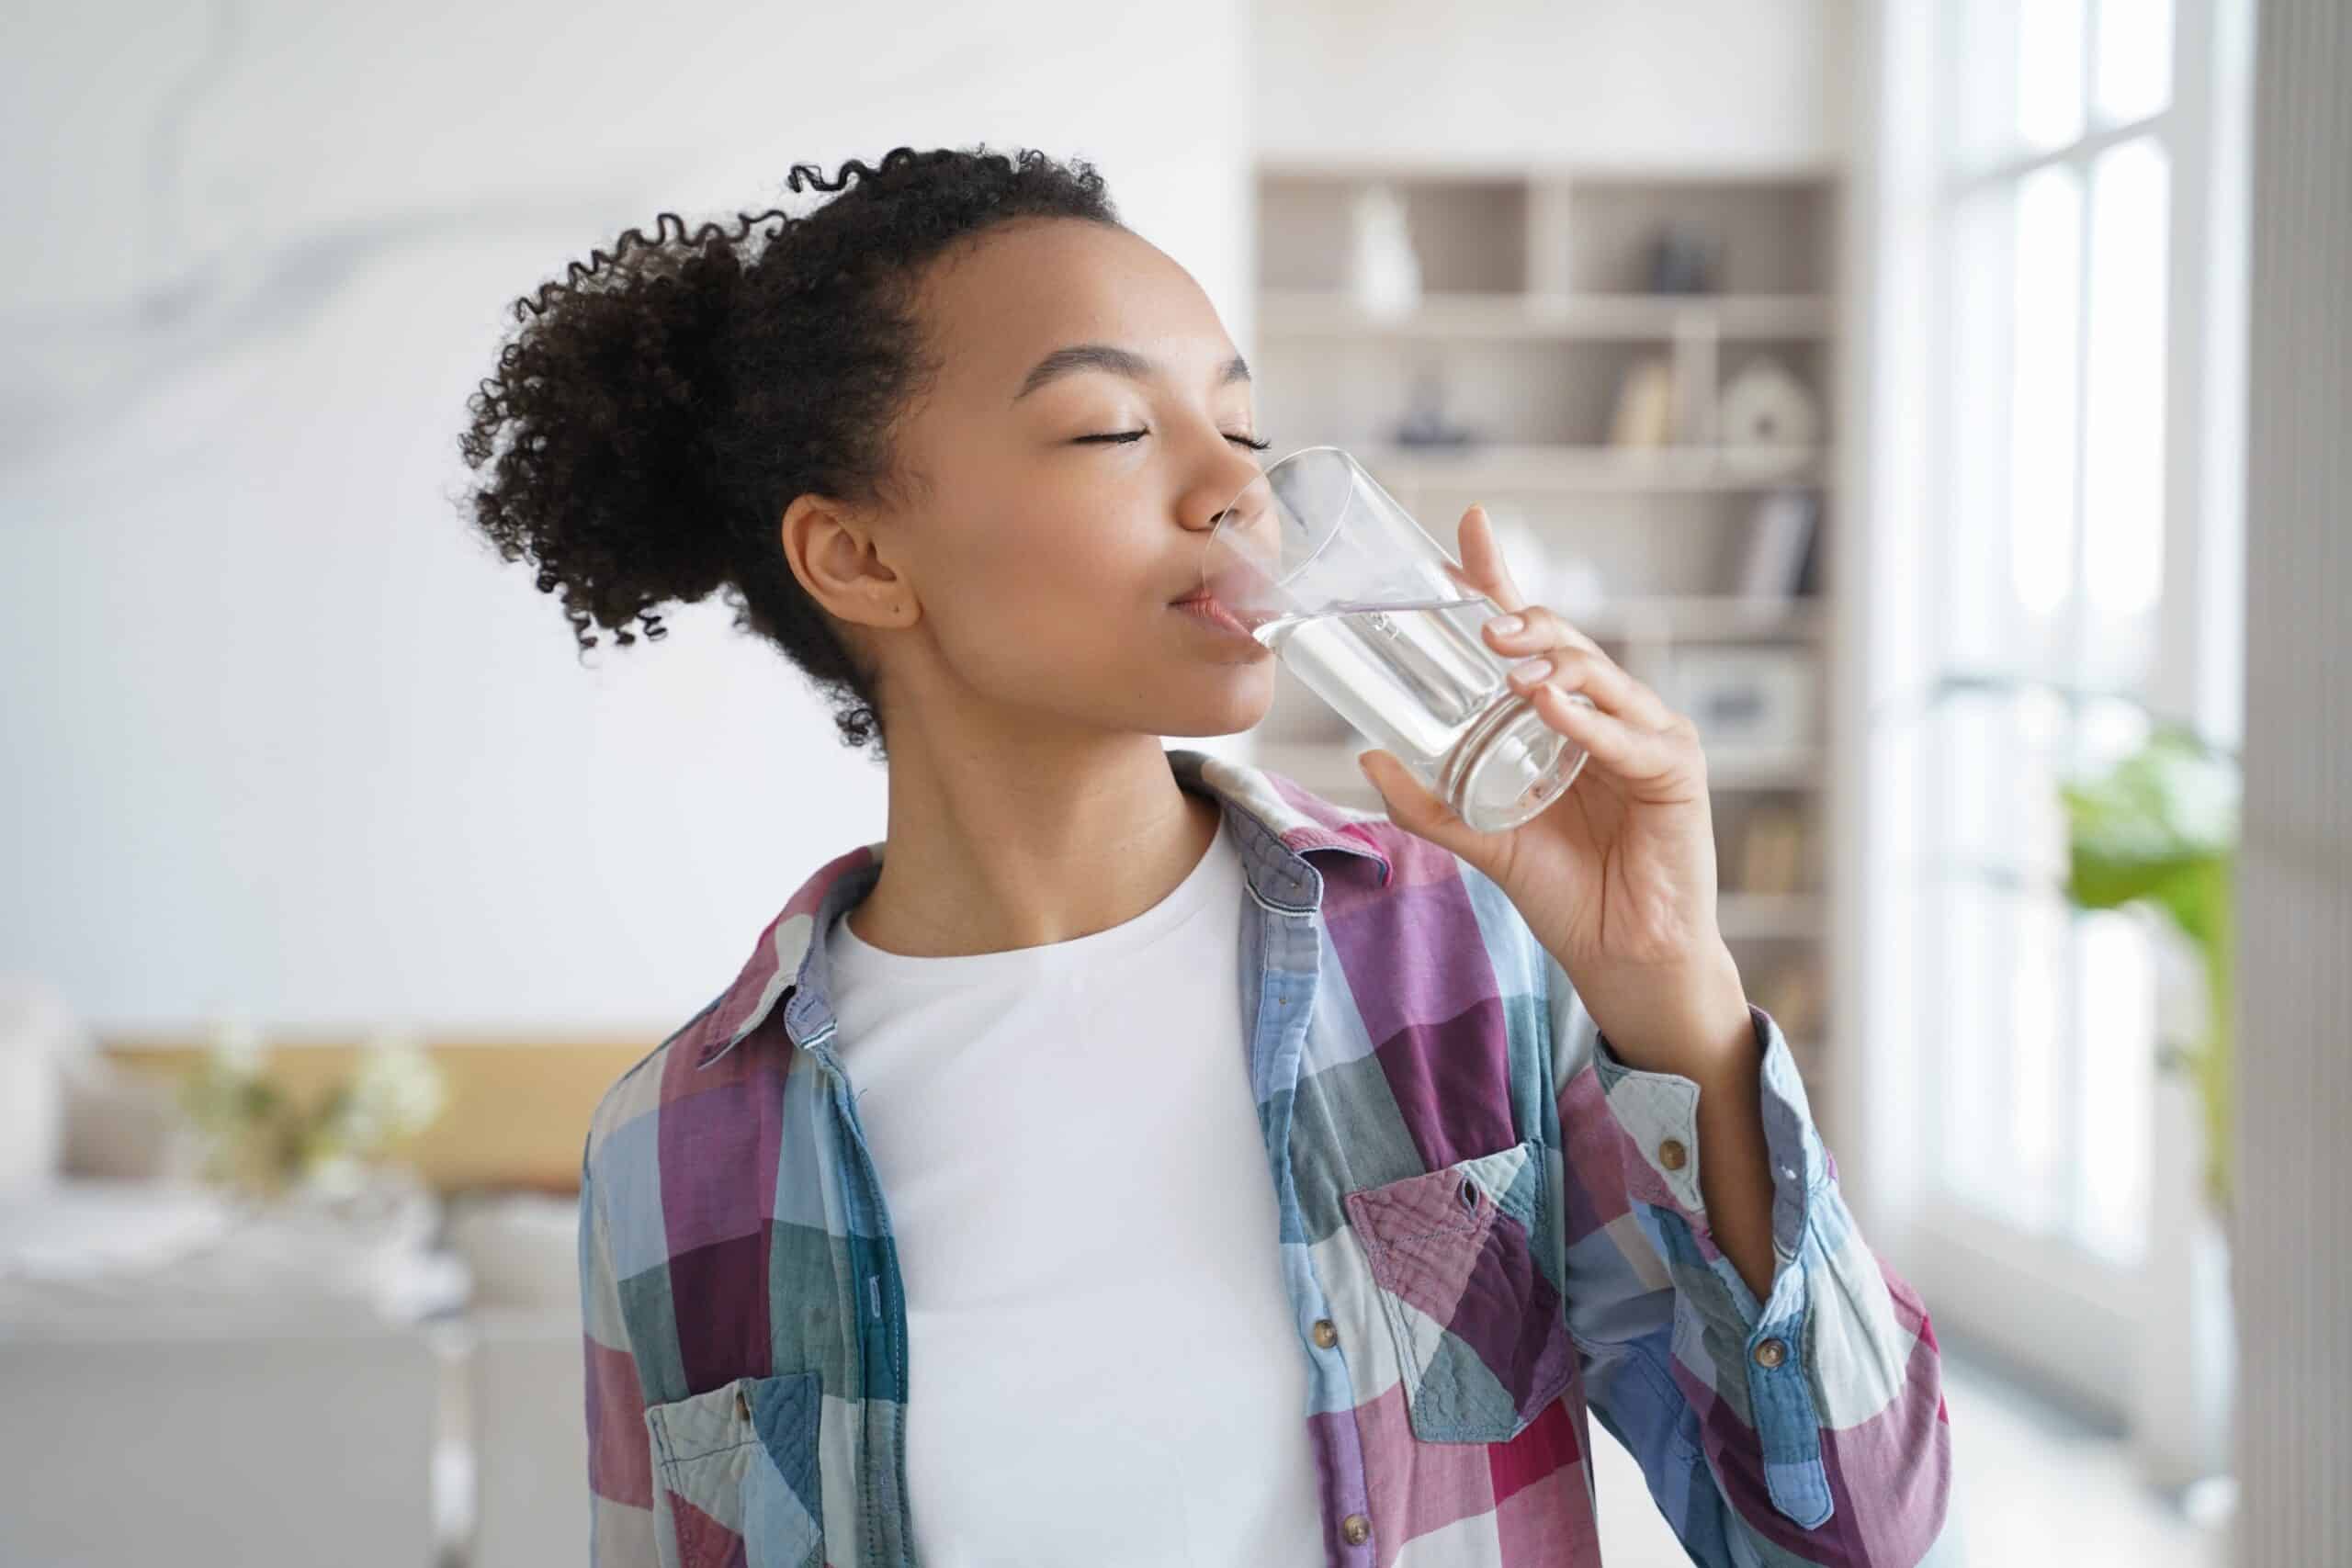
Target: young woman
[(1133, 1158)]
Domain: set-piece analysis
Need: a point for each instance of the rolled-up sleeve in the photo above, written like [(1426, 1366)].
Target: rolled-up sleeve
[(1808, 1428)]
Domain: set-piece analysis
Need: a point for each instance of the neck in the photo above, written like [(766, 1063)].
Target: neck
[(1022, 844)]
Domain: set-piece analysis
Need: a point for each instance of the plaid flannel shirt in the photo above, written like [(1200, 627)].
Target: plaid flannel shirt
[(1480, 1239)]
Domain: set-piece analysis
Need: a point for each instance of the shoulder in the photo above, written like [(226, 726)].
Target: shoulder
[(733, 1038), (622, 1129)]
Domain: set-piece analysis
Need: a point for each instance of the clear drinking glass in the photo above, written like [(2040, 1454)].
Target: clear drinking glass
[(1322, 566)]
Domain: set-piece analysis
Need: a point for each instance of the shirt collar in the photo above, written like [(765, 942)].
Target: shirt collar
[(1276, 823)]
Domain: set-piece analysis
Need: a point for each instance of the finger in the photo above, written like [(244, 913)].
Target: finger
[(1413, 808), (1601, 678), (1482, 559), (1546, 628), (1626, 751)]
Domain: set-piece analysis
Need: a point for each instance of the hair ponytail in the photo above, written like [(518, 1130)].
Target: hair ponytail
[(659, 408)]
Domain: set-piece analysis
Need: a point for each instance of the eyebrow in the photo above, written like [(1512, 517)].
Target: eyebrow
[(1117, 361)]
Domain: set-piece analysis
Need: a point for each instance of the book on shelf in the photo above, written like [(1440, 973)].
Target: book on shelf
[(1779, 563), (1645, 414)]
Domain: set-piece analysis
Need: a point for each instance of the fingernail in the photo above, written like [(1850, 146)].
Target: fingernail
[(1534, 670), (1505, 625)]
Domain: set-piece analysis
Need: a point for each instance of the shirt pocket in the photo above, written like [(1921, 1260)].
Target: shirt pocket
[(1481, 1340), (735, 1476)]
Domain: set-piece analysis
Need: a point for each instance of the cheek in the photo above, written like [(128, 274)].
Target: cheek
[(1037, 597)]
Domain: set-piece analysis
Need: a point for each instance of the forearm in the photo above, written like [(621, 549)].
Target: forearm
[(1696, 1024)]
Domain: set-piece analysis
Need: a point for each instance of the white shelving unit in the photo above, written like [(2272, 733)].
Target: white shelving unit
[(1535, 304)]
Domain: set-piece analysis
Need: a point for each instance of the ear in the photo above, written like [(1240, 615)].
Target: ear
[(832, 550)]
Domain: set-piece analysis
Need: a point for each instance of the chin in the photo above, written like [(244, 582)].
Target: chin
[(1247, 696)]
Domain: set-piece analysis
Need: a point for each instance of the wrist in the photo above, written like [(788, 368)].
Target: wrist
[(1690, 1018)]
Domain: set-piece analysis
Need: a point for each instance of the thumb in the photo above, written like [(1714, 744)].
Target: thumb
[(1417, 809)]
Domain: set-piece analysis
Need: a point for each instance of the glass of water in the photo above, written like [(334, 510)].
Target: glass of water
[(1322, 566)]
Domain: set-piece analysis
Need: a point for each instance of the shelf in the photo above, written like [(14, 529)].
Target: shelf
[(1294, 314), (1536, 310), (1509, 468)]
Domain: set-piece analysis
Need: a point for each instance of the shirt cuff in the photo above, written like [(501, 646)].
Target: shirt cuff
[(1659, 1112)]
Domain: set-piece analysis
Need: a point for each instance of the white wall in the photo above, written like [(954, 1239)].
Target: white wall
[(282, 737), (1644, 83)]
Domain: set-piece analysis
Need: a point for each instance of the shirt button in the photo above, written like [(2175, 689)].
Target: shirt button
[(1357, 1528), (1771, 1353), (1672, 1155), (1325, 1335)]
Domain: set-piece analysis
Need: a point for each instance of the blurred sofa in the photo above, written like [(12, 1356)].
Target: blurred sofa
[(186, 1385)]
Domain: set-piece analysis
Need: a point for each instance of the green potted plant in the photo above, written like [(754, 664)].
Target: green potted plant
[(2159, 827)]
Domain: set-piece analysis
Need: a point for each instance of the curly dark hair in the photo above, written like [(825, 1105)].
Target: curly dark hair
[(653, 417)]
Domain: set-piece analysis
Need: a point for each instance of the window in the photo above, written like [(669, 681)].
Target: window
[(2055, 193), (2066, 229)]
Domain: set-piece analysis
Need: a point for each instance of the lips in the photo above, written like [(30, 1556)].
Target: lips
[(1204, 605)]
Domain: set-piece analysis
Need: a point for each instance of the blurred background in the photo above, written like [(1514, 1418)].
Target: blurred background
[(1945, 402)]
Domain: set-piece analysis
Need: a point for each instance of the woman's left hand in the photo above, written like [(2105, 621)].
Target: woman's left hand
[(1617, 876)]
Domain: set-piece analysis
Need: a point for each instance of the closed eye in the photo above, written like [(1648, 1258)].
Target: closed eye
[(1125, 437)]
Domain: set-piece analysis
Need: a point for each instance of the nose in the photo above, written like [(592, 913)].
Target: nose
[(1224, 489)]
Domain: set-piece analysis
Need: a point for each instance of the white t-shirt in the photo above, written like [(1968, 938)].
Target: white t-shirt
[(1085, 1387)]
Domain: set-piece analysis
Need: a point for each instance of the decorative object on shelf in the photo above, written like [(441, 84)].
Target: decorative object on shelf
[(261, 1141), (1759, 697), (1644, 411), (1771, 849), (1765, 405), (1424, 424), (1779, 543), (1384, 275), (1684, 259)]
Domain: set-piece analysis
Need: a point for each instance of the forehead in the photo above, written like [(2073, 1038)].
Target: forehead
[(1030, 287)]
